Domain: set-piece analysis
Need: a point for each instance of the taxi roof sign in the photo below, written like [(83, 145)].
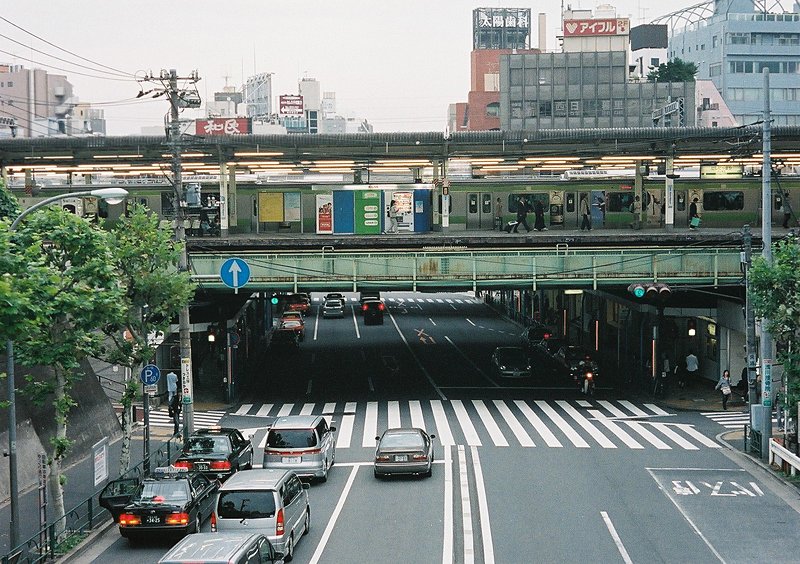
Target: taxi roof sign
[(170, 470)]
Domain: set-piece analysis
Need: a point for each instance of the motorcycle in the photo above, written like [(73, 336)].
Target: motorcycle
[(584, 376)]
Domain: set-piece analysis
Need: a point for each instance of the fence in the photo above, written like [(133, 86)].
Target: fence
[(61, 536), (780, 456)]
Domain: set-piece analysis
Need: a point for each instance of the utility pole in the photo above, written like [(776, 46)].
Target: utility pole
[(179, 99), (766, 252), (750, 327)]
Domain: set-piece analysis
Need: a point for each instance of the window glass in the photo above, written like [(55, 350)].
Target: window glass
[(723, 200), (619, 201), (545, 109), (515, 77), (248, 504), (486, 206), (574, 75), (493, 109), (472, 203), (516, 109), (291, 438)]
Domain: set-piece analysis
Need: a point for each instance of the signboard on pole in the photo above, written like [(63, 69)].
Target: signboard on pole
[(766, 383), (234, 273), (290, 105), (186, 379), (100, 451), (618, 26), (223, 126), (150, 375)]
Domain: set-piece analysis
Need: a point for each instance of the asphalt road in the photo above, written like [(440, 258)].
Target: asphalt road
[(525, 471)]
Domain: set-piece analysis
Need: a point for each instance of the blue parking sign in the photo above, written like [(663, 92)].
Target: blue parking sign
[(150, 375)]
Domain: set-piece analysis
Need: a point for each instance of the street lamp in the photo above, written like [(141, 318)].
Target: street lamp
[(112, 196)]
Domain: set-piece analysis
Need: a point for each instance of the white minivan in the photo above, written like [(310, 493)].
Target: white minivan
[(271, 502)]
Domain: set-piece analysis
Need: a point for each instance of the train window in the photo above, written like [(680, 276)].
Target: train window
[(486, 203), (680, 203), (513, 201), (472, 203), (619, 201), (722, 201), (570, 202), (777, 202)]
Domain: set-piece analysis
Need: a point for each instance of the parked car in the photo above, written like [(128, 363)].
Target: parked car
[(511, 362), (173, 502), (304, 444), (272, 502), (333, 308), (284, 338), (406, 450), (217, 452), (373, 312), (219, 548), (296, 325)]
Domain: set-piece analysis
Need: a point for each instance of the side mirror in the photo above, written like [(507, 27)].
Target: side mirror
[(377, 438), (306, 485), (331, 429), (432, 436)]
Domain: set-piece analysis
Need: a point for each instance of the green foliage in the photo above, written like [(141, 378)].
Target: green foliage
[(9, 206), (676, 70), (775, 293)]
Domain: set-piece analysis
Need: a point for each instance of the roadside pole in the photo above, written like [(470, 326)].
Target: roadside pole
[(766, 252)]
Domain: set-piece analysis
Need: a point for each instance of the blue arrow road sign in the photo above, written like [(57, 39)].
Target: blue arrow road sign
[(234, 273), (150, 374)]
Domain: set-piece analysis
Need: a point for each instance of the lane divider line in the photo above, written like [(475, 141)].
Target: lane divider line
[(436, 388), (466, 508), (334, 516), (447, 536), (615, 536), (483, 509)]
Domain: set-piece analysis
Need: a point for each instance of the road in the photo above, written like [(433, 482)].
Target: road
[(525, 471)]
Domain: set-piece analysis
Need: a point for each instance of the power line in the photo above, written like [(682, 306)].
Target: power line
[(66, 70)]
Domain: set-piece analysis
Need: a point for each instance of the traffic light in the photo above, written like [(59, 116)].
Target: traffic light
[(692, 327), (650, 291), (274, 299)]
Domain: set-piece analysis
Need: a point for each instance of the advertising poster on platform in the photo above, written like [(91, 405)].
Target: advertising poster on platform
[(324, 213)]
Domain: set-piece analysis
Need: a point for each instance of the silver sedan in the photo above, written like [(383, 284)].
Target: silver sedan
[(405, 450), (333, 308)]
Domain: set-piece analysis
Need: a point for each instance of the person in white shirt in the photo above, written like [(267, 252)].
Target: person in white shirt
[(692, 366)]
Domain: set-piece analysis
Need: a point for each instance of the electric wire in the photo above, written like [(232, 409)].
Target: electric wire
[(66, 70)]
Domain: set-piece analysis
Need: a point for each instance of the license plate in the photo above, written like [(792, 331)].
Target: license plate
[(152, 519), (202, 466), (292, 459), (401, 458)]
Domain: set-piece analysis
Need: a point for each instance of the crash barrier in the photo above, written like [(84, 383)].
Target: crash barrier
[(780, 456), (60, 537)]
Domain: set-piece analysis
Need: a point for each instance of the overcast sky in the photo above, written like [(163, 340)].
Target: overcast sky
[(397, 63)]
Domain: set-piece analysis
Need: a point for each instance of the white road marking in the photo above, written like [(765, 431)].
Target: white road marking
[(587, 426), (432, 322), (515, 426), (350, 407), (264, 410), (466, 509), (483, 509), (355, 322), (571, 434), (665, 429), (316, 323), (489, 423), (538, 424), (328, 408), (466, 423), (615, 536), (344, 431), (697, 435), (439, 301), (655, 409), (416, 359), (611, 425), (469, 321), (633, 409), (370, 425), (332, 521), (286, 409), (442, 428), (245, 407), (307, 409), (394, 415), (647, 435), (308, 389), (417, 420), (447, 536)]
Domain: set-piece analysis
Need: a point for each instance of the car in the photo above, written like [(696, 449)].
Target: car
[(511, 362), (405, 450), (173, 502), (335, 296), (284, 338), (269, 501), (333, 308), (534, 335), (373, 312), (295, 325), (297, 302), (217, 452), (571, 360), (369, 295), (222, 548), (291, 315), (304, 444), (546, 350)]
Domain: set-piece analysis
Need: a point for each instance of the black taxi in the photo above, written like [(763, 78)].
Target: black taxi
[(217, 452), (173, 501)]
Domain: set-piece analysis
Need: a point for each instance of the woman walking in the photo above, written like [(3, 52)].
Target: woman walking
[(724, 385)]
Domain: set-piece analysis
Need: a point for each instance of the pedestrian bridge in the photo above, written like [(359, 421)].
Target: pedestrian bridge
[(455, 269)]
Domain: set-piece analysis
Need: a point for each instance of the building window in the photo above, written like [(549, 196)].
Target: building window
[(516, 110), (739, 39), (560, 108), (493, 109), (619, 107), (715, 69), (590, 108), (714, 42), (654, 62), (10, 84), (515, 77), (574, 108), (530, 108), (545, 109)]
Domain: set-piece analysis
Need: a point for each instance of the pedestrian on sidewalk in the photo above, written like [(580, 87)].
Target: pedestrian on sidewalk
[(724, 386), (175, 413), (692, 366)]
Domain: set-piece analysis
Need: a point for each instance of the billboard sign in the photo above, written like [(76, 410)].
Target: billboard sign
[(502, 18), (290, 105), (222, 126), (580, 28)]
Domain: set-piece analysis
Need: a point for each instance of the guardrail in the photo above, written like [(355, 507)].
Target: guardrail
[(782, 457), (59, 537)]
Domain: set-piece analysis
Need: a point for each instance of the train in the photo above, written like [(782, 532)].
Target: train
[(300, 207)]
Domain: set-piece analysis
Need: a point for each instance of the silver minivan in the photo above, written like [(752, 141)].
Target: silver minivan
[(271, 502), (301, 443), (222, 548)]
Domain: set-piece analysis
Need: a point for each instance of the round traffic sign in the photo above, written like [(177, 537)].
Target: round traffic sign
[(150, 374), (234, 273)]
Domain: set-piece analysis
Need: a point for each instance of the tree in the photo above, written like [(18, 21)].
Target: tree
[(9, 206), (145, 259), (675, 70), (775, 293), (72, 281)]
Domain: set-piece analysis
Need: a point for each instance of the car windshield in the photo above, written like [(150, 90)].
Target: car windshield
[(512, 356), (207, 445), (246, 505), (576, 354), (291, 323), (291, 438), (166, 491), (406, 440), (333, 303)]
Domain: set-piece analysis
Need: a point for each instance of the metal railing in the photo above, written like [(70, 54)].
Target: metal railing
[(752, 441), (62, 535)]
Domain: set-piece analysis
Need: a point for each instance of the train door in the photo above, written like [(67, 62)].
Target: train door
[(479, 210), (572, 217), (681, 208), (598, 208)]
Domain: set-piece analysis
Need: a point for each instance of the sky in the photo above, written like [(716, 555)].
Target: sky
[(396, 63)]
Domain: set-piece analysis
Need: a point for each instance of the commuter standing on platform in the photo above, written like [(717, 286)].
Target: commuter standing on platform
[(498, 214), (787, 211), (538, 210), (522, 216), (694, 215), (392, 213), (583, 209)]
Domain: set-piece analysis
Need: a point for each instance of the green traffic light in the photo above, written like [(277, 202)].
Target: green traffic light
[(274, 300), (638, 292)]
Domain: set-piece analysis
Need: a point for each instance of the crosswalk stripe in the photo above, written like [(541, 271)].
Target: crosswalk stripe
[(307, 409), (697, 435), (394, 414), (417, 420), (439, 301), (264, 410), (488, 422), (466, 424), (616, 429), (615, 411), (665, 429), (647, 435), (548, 436), (285, 410), (329, 408), (587, 426), (245, 407), (513, 424), (633, 409), (442, 428), (571, 434), (345, 431), (655, 409), (350, 407), (370, 425)]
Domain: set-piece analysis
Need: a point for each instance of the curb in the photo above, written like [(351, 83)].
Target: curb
[(88, 543)]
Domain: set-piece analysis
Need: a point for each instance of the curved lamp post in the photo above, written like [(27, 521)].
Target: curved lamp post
[(112, 196)]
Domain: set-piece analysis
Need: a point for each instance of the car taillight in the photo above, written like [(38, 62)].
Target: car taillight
[(279, 525), (177, 519), (419, 457), (381, 458), (220, 465), (213, 521), (364, 307), (184, 464), (380, 307), (126, 520)]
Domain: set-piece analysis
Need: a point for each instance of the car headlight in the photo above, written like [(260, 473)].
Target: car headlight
[(502, 367)]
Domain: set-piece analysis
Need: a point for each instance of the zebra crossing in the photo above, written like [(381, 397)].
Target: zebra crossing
[(404, 300), (202, 419), (732, 419), (536, 423)]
